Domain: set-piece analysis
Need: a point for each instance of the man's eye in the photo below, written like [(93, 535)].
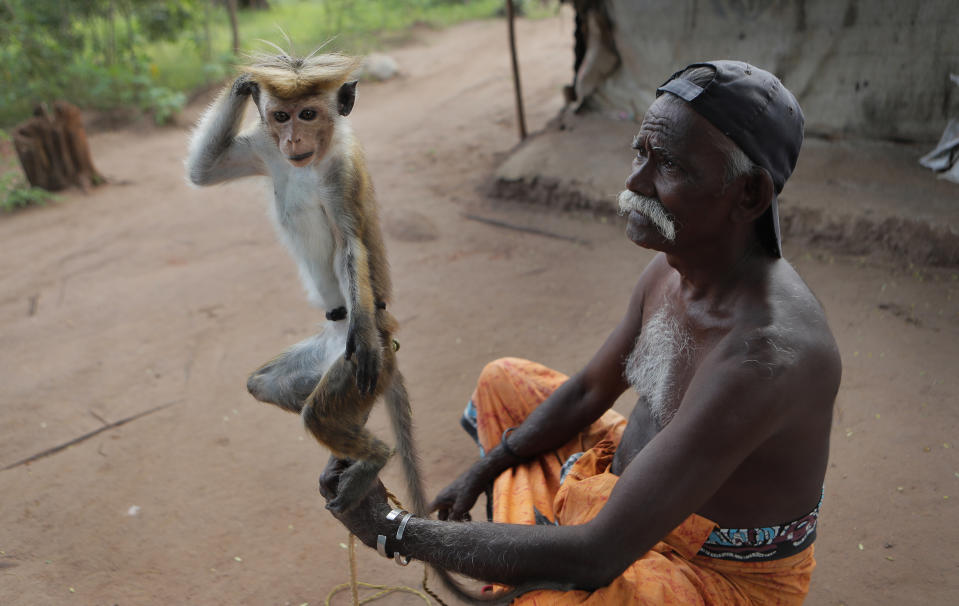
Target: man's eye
[(307, 114), (281, 116)]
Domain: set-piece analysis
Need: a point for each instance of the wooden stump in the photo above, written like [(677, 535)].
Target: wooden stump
[(54, 151)]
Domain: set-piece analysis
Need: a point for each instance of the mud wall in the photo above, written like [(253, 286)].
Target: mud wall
[(873, 68)]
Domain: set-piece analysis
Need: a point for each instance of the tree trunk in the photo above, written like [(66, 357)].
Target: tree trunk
[(54, 151), (234, 27)]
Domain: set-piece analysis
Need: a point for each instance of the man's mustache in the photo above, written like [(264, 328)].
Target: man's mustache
[(651, 208)]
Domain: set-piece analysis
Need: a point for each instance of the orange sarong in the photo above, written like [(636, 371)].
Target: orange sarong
[(671, 572)]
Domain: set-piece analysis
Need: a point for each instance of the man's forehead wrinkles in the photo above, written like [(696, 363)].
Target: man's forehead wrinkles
[(663, 130)]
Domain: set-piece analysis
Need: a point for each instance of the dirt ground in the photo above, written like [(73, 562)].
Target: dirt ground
[(150, 298)]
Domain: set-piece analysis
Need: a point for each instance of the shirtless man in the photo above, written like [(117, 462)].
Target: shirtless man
[(710, 492)]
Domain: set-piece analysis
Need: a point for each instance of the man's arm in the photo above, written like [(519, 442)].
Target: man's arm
[(572, 407), (733, 406)]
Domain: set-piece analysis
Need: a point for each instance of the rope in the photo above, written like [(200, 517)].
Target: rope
[(383, 590)]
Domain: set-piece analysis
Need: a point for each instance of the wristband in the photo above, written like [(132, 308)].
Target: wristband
[(509, 450), (381, 539)]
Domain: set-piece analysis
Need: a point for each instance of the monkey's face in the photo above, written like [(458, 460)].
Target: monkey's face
[(301, 128)]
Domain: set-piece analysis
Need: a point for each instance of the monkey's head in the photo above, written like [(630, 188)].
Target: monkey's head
[(301, 101)]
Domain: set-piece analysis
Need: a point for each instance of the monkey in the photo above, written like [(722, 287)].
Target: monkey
[(325, 213)]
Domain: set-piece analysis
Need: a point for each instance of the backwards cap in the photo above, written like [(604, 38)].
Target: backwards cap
[(753, 108)]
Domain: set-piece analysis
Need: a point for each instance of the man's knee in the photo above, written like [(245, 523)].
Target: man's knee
[(498, 370)]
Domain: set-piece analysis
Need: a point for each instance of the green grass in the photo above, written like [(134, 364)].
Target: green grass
[(351, 26)]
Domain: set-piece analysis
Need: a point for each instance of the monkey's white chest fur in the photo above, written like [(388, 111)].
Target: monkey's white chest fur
[(301, 213)]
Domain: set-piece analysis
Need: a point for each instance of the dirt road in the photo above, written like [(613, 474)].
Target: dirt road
[(151, 297)]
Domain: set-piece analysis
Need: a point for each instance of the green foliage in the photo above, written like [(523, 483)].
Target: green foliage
[(15, 192), (145, 54), (88, 52)]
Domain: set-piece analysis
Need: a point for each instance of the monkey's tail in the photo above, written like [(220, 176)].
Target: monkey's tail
[(401, 415)]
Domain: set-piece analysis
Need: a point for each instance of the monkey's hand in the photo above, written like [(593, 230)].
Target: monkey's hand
[(455, 501), (245, 86), (366, 518), (363, 347)]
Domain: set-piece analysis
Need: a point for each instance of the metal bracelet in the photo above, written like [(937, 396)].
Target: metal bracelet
[(381, 540), (399, 531), (509, 450)]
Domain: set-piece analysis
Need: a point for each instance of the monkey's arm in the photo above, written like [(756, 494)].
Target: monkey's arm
[(362, 342), (217, 152)]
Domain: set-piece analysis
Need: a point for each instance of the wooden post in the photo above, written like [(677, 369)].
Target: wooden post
[(520, 118)]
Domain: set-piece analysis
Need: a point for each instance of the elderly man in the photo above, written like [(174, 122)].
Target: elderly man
[(710, 492)]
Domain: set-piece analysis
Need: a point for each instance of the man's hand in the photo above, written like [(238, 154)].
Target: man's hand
[(368, 516), (455, 501)]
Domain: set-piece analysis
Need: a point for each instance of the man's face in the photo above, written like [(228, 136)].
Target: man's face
[(678, 177)]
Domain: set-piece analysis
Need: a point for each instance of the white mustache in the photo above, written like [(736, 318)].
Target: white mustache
[(650, 208)]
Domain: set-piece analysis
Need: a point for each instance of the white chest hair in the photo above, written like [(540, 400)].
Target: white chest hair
[(304, 219), (658, 366)]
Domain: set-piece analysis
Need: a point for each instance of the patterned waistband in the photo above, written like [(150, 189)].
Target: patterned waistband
[(769, 543)]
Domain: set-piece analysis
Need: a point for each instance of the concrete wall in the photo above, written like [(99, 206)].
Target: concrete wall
[(873, 68)]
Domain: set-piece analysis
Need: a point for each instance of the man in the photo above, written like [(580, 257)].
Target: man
[(710, 493)]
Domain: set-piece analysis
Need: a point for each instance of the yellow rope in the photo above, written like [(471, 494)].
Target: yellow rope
[(384, 590)]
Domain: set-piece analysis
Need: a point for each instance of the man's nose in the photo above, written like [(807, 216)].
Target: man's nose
[(639, 180)]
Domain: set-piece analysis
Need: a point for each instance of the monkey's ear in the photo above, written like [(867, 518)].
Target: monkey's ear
[(345, 98)]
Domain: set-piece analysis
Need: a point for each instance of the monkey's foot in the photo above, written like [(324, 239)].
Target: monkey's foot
[(355, 482)]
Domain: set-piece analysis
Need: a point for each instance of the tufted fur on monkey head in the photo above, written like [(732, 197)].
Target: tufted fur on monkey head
[(301, 99)]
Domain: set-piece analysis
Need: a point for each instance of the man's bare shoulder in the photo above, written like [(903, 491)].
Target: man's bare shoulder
[(784, 335)]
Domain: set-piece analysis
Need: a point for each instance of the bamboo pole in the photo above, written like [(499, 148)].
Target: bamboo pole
[(520, 118)]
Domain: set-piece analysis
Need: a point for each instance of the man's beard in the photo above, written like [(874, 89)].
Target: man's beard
[(651, 208)]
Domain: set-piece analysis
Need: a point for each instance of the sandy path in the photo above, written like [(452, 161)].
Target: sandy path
[(152, 294)]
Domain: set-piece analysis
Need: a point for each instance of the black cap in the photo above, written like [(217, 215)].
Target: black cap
[(753, 108)]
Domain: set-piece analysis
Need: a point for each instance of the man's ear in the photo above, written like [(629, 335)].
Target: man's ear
[(345, 98), (757, 193)]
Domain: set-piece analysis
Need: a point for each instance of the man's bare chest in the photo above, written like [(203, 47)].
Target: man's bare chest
[(661, 364)]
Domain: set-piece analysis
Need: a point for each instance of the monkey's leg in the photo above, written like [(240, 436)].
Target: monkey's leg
[(288, 379), (335, 413)]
